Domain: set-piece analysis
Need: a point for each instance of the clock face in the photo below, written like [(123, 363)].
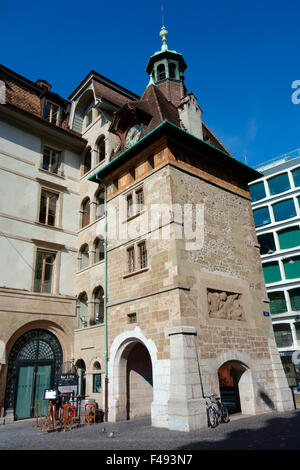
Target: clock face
[(133, 135)]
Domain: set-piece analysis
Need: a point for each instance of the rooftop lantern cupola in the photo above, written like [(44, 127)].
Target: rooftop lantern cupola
[(166, 68)]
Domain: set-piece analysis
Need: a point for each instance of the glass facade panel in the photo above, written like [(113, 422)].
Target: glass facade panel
[(296, 176), (297, 329), (267, 243), (261, 216), (277, 302), (284, 210), (279, 184), (295, 299), (271, 272), (292, 268), (257, 191), (283, 335), (289, 238)]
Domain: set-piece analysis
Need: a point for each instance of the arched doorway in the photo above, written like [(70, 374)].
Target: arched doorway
[(81, 370), (131, 379), (33, 366), (139, 382), (230, 374)]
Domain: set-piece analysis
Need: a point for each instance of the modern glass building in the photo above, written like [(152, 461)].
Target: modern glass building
[(276, 211)]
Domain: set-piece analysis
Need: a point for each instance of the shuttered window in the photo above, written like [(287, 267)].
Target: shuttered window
[(277, 302), (292, 267), (289, 237), (271, 272)]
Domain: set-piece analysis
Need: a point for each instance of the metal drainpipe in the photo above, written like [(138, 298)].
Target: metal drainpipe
[(105, 302)]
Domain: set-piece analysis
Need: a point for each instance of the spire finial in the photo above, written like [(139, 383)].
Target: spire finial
[(163, 32)]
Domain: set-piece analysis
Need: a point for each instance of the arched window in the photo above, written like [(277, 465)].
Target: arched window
[(85, 212), (99, 249), (100, 148), (84, 256), (161, 72), (172, 70), (100, 203), (98, 305), (82, 306), (87, 161)]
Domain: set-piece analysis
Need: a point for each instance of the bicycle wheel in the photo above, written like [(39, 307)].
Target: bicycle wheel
[(212, 418), (225, 415)]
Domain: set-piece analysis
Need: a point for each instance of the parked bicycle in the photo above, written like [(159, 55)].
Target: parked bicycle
[(216, 411)]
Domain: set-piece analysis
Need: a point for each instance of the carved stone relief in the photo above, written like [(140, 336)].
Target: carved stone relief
[(225, 305)]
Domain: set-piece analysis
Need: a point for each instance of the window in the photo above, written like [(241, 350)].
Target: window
[(267, 243), (84, 257), (83, 310), (172, 70), (101, 149), (44, 272), (100, 204), (261, 216), (289, 238), (296, 176), (85, 212), (131, 318), (129, 206), (284, 210), (96, 383), (279, 184), (51, 112), (98, 305), (48, 207), (51, 160), (130, 259), (99, 249), (161, 72), (257, 191), (295, 299), (277, 302), (292, 267), (283, 335), (142, 255), (297, 330), (271, 272), (140, 199), (87, 162)]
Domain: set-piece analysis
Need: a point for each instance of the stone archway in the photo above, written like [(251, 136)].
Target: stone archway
[(236, 387), (131, 376)]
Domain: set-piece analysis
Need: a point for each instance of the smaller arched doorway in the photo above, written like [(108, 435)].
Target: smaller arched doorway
[(230, 374), (81, 370)]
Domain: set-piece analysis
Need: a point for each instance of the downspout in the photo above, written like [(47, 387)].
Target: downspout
[(105, 301)]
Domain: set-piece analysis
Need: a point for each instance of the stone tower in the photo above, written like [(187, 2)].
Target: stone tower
[(187, 308)]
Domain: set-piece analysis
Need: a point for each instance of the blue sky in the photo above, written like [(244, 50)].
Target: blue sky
[(242, 57)]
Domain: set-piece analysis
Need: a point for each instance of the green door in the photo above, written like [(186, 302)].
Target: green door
[(42, 381), (24, 394), (33, 380)]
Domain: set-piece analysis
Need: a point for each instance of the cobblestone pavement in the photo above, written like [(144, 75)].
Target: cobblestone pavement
[(274, 431)]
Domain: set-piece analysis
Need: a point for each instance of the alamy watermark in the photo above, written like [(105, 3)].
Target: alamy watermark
[(157, 221)]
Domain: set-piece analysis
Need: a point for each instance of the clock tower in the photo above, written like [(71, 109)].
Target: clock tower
[(166, 68)]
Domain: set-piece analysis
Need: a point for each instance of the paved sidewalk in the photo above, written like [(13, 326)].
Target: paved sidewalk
[(272, 431)]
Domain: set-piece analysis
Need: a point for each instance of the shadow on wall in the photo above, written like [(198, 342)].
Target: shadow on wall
[(255, 433), (266, 399)]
